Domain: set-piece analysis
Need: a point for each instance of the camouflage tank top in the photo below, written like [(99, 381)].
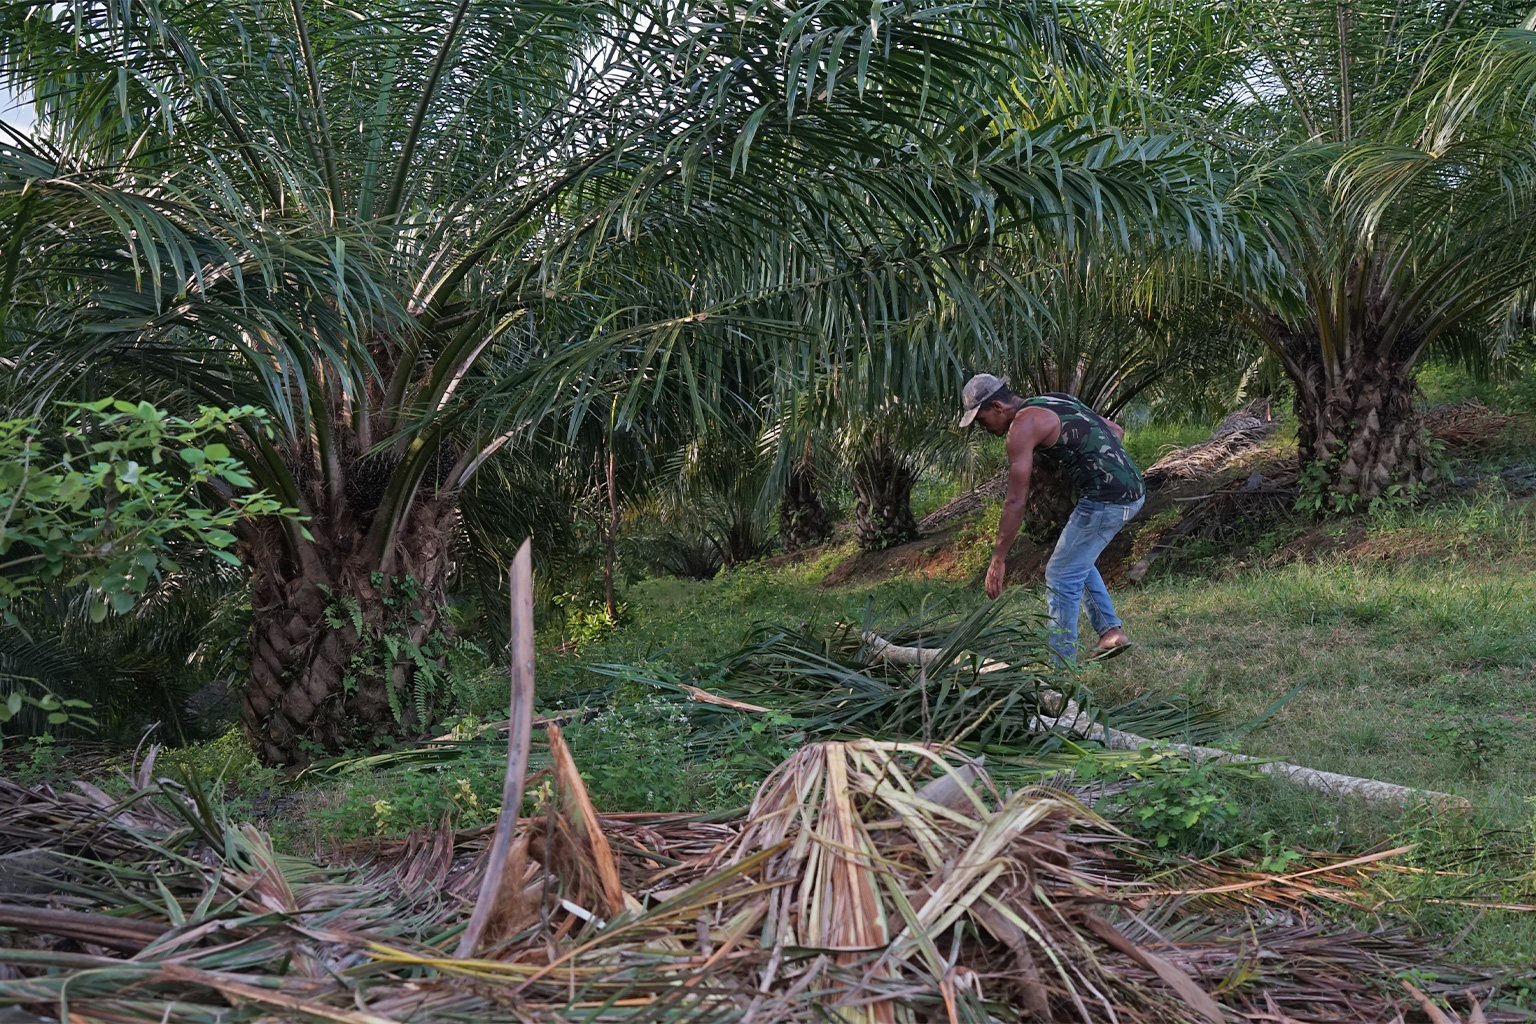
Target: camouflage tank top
[(1094, 457)]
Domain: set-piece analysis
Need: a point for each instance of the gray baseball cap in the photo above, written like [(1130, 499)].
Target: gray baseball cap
[(978, 391)]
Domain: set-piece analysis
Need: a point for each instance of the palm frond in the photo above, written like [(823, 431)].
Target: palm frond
[(872, 880)]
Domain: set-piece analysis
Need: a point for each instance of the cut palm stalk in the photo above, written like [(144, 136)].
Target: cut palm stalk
[(519, 739), (1073, 718)]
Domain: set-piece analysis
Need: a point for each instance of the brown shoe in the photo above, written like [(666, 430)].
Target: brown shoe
[(1112, 651)]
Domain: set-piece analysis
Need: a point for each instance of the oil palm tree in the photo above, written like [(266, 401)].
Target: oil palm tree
[(1405, 223), (421, 236)]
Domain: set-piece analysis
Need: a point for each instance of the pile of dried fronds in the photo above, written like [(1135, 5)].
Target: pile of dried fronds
[(991, 490), (871, 881), (1217, 515), (1468, 425), (1240, 433)]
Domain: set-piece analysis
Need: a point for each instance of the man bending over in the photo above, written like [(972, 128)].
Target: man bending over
[(1110, 492)]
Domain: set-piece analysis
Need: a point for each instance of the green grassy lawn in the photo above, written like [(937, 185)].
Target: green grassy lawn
[(1422, 673)]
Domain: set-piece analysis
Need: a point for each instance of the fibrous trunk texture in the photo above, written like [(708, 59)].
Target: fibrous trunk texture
[(882, 484), (1357, 432), (342, 645), (1051, 499), (803, 517)]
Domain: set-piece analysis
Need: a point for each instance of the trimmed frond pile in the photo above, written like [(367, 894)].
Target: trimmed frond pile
[(871, 881), (1237, 435), (994, 489), (1468, 425), (991, 675)]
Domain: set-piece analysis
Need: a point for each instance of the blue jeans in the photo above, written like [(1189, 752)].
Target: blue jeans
[(1071, 573)]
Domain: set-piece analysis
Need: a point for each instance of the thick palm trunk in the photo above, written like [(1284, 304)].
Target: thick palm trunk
[(344, 652), (803, 517), (882, 485), (1051, 500), (1357, 433)]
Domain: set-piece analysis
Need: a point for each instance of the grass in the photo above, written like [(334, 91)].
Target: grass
[(1386, 656), (1150, 442), (1414, 652), (1415, 649), (1511, 387)]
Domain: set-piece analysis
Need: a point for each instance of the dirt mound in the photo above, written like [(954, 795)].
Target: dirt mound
[(931, 557)]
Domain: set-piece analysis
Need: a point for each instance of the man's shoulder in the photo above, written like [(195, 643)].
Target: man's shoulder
[(1057, 401), (1032, 422)]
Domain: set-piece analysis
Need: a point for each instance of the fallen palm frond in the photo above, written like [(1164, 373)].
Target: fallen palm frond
[(870, 881), (982, 696), (979, 684), (1468, 425), (1237, 435), (1067, 716)]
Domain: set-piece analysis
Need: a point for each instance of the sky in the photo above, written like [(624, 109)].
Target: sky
[(15, 110)]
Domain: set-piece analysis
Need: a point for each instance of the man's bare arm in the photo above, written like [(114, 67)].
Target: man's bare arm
[(1031, 429), (1021, 462)]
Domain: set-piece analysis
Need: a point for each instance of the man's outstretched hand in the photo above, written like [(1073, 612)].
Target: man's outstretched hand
[(995, 573)]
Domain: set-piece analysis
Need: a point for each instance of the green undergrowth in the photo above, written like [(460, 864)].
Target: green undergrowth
[(635, 752), (1511, 388)]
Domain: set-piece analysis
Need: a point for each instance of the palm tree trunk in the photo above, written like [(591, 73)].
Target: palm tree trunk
[(1358, 433), (803, 517), (1051, 499), (882, 485), (337, 644)]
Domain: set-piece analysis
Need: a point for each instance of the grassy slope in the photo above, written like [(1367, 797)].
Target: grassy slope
[(1393, 653)]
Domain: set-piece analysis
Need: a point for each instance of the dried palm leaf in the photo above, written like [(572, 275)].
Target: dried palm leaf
[(871, 881)]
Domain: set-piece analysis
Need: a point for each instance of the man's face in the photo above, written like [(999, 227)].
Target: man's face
[(995, 418)]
